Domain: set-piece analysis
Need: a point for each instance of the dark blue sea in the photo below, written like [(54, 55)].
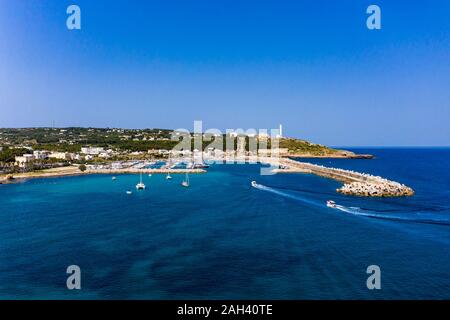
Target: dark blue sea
[(222, 239)]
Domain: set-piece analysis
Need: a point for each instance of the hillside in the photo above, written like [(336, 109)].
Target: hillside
[(72, 139)]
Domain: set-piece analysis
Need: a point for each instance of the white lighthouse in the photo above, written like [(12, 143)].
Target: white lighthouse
[(280, 132)]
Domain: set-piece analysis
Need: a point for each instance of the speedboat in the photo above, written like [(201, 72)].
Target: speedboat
[(114, 178), (129, 192), (168, 177), (331, 204), (254, 184)]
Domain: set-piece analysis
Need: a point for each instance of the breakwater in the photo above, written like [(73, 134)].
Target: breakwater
[(355, 183), (141, 170)]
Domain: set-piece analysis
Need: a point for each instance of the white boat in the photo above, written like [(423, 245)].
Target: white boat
[(149, 174), (254, 184), (114, 178), (168, 177), (185, 183), (129, 192), (331, 204), (140, 185)]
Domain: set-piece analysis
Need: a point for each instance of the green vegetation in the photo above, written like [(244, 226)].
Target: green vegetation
[(8, 154), (61, 147), (305, 147), (82, 167), (126, 140)]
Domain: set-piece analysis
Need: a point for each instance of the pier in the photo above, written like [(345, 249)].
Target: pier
[(143, 170), (355, 183)]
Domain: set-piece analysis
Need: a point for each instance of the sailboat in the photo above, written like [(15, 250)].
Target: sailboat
[(140, 185), (185, 183)]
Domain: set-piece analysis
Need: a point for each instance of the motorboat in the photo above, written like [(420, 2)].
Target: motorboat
[(254, 184), (129, 192), (168, 177), (331, 204)]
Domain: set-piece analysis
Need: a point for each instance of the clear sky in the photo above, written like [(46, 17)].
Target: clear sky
[(311, 65)]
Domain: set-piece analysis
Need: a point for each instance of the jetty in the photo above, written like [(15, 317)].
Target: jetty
[(143, 170), (355, 183), (75, 171)]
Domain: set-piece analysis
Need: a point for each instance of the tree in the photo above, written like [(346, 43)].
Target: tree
[(82, 167)]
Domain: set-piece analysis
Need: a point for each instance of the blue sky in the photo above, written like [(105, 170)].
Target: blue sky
[(311, 65)]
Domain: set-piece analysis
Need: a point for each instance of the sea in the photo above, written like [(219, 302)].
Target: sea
[(221, 238)]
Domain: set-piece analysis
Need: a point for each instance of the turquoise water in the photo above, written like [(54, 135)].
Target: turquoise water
[(220, 238)]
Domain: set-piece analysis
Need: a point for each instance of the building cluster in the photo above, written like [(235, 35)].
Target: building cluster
[(86, 154)]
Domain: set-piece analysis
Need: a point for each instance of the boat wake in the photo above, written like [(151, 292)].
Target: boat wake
[(284, 194), (415, 216)]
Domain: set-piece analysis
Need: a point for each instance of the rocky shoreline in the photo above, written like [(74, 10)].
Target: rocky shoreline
[(355, 183), (370, 189), (337, 155)]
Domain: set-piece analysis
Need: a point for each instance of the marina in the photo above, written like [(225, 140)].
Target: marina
[(354, 183)]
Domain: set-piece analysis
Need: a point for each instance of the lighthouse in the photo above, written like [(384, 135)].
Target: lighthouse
[(280, 132)]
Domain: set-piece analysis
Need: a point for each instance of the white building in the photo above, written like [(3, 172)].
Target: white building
[(61, 155), (22, 161), (274, 151), (104, 155), (41, 155), (92, 150)]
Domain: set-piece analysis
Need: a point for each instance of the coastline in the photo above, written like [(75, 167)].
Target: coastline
[(74, 171), (334, 154), (48, 173), (330, 156), (354, 183)]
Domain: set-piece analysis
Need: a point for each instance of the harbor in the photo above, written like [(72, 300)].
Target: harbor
[(354, 183)]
